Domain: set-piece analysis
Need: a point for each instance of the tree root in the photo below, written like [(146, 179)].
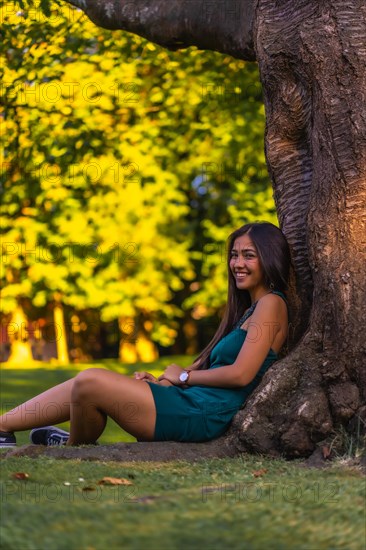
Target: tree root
[(288, 413)]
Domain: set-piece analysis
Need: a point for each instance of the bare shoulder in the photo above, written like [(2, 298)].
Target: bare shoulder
[(271, 314), (270, 318), (271, 307), (271, 301)]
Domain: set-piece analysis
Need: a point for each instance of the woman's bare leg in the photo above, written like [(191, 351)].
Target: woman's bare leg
[(49, 407), (98, 393), (87, 400)]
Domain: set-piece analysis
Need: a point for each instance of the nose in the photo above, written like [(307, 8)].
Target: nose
[(239, 261)]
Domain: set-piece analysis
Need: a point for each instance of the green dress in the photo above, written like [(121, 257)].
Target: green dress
[(202, 413)]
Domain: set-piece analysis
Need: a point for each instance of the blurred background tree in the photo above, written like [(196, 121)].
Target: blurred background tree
[(125, 167)]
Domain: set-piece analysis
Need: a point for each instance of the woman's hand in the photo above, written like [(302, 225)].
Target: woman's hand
[(145, 376), (148, 377), (172, 373)]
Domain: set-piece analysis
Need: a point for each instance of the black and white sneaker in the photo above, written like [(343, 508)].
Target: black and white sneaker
[(7, 439), (49, 436)]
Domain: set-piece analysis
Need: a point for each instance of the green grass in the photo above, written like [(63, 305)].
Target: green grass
[(210, 505)]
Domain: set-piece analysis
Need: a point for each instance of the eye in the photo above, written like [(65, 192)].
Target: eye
[(249, 256)]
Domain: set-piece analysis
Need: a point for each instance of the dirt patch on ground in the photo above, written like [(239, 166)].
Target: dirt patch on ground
[(129, 452), (165, 451)]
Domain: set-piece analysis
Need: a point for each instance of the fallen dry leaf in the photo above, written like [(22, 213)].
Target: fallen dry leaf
[(260, 473), (20, 475), (326, 452), (114, 481)]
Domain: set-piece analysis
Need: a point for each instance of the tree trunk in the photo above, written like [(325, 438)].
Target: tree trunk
[(312, 59), (134, 344), (311, 56), (60, 332), (20, 351)]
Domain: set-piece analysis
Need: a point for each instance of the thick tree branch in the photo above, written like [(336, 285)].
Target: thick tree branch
[(221, 25)]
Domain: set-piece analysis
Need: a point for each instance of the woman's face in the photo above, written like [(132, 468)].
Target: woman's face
[(245, 266)]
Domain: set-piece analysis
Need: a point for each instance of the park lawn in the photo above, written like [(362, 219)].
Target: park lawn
[(212, 504), (242, 503)]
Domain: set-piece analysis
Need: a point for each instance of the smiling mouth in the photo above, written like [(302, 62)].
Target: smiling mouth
[(241, 275)]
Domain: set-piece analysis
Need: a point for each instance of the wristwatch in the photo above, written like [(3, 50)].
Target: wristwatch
[(183, 377)]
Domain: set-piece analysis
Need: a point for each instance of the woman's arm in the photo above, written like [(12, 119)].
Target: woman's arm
[(266, 322), (194, 365), (162, 381)]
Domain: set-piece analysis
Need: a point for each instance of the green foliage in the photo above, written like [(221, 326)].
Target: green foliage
[(125, 168)]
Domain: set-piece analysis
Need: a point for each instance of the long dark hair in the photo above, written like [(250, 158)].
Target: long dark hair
[(274, 257)]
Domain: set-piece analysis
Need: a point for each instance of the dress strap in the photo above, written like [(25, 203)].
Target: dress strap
[(281, 294), (249, 311), (247, 314)]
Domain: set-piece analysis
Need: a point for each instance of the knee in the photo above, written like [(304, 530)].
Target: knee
[(85, 383)]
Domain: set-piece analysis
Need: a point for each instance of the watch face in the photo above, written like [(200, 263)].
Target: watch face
[(183, 377)]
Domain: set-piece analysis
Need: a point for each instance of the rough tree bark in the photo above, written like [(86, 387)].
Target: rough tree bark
[(312, 58)]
